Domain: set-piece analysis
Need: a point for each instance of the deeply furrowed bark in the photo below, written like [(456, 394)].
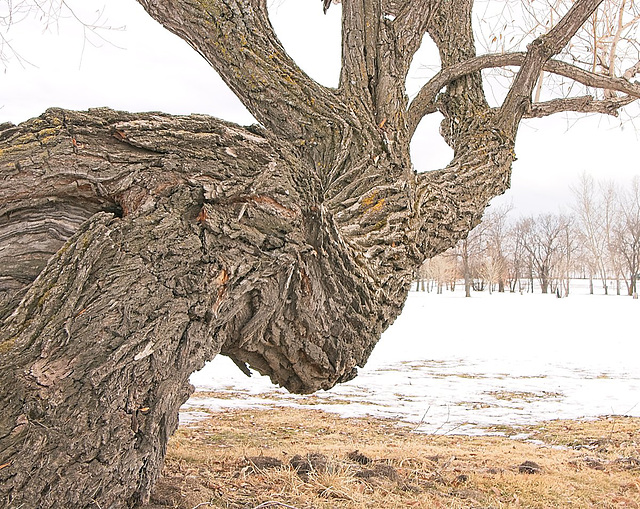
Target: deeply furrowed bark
[(135, 247), (212, 239), (222, 247)]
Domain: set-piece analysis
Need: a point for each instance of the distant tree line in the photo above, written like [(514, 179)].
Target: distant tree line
[(598, 239)]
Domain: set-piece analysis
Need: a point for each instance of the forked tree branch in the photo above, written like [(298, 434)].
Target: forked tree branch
[(424, 102), (518, 99), (412, 21), (378, 44)]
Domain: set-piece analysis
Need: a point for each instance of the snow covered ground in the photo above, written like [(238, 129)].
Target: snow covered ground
[(455, 365)]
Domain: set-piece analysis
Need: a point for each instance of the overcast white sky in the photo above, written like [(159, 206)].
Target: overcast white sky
[(145, 68)]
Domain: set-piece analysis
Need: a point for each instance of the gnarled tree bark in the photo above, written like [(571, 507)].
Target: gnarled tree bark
[(135, 247)]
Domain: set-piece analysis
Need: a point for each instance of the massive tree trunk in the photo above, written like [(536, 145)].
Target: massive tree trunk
[(192, 237), (135, 247), (209, 240)]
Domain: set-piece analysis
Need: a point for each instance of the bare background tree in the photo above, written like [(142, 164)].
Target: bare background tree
[(554, 248), (438, 273), (626, 235), (135, 247), (496, 232), (49, 13), (592, 213)]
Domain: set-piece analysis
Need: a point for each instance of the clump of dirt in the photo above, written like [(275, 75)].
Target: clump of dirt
[(358, 457), (260, 463), (312, 463), (529, 467)]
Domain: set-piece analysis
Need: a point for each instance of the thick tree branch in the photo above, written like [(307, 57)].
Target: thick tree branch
[(57, 172), (540, 51), (100, 347), (411, 23), (584, 104), (360, 30), (464, 98), (379, 41), (425, 101), (237, 39), (249, 193), (375, 63), (451, 201)]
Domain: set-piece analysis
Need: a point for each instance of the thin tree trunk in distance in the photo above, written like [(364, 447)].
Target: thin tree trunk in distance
[(466, 268)]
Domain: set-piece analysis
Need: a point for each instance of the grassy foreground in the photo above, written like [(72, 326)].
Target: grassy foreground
[(293, 458)]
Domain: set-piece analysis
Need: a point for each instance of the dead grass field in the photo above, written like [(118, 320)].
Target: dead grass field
[(293, 458)]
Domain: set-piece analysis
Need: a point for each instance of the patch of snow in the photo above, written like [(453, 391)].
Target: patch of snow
[(455, 365), (192, 416)]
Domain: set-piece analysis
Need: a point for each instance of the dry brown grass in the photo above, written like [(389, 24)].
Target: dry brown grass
[(242, 459)]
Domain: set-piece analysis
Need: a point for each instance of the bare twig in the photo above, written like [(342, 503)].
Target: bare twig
[(49, 13), (201, 504), (454, 428), (422, 420), (273, 503), (444, 423)]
